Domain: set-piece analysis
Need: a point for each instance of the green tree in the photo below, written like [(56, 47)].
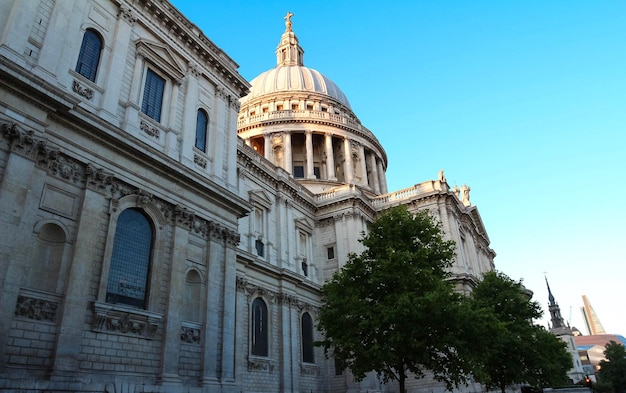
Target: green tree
[(392, 308), (613, 370), (513, 349)]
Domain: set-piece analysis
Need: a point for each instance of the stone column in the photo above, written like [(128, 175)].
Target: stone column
[(288, 156), (119, 52), (220, 114), (76, 301), (171, 144), (190, 114), (341, 251), (165, 105), (382, 178), (173, 321), (330, 159), (228, 315), (286, 369), (309, 154), (213, 311), (20, 189), (137, 78), (54, 58), (348, 167), (173, 104), (16, 31), (295, 347), (132, 109), (374, 171), (267, 147), (280, 234), (362, 165)]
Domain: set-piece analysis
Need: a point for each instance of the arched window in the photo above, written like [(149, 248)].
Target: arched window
[(192, 307), (89, 56), (308, 356), (202, 122), (130, 261), (259, 328)]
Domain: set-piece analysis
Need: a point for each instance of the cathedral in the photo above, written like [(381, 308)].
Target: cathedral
[(167, 226)]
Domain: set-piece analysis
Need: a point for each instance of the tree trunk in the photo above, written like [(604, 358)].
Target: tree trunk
[(402, 378)]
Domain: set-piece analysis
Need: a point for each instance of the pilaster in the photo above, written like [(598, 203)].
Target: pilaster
[(173, 322), (119, 52), (77, 297)]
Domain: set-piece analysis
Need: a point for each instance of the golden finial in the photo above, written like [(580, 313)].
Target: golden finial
[(288, 20)]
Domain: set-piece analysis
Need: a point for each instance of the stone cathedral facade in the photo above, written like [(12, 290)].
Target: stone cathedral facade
[(166, 225)]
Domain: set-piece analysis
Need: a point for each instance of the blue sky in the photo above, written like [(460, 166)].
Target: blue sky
[(523, 101)]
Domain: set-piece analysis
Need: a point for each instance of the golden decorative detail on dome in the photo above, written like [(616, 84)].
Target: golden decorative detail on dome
[(287, 19)]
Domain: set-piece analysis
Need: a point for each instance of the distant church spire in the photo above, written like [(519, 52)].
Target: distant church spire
[(289, 52), (555, 310)]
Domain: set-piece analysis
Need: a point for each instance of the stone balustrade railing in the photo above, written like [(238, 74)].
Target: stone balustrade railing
[(410, 192), (303, 114)]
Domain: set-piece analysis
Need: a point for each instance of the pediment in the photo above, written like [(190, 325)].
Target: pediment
[(161, 56), (304, 223), (261, 198)]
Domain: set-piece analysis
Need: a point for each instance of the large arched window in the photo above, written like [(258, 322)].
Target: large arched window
[(259, 328), (308, 356), (202, 122), (130, 260), (89, 56)]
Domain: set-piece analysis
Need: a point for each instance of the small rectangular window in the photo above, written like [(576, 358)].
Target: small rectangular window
[(260, 247), (153, 95), (324, 109), (298, 171), (309, 107), (316, 172), (330, 251), (279, 107), (294, 107)]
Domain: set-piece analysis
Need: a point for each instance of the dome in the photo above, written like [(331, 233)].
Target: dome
[(299, 78), (290, 74)]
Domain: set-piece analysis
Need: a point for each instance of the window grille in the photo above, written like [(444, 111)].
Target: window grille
[(89, 56), (153, 95)]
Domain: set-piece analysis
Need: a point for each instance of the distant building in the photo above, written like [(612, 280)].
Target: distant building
[(591, 348), (566, 334), (592, 321)]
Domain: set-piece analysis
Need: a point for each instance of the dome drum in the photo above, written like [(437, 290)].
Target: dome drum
[(300, 120)]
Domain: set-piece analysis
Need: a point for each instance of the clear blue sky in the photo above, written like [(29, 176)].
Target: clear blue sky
[(523, 101)]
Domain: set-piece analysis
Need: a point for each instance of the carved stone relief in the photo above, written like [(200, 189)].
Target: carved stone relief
[(33, 308), (86, 92), (108, 319)]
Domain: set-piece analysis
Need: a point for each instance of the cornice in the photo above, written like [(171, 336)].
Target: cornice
[(252, 289), (88, 175)]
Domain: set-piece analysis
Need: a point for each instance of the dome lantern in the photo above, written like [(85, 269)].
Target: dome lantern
[(289, 52)]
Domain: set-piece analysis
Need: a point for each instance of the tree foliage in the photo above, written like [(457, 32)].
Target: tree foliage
[(392, 309), (613, 369), (514, 350)]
